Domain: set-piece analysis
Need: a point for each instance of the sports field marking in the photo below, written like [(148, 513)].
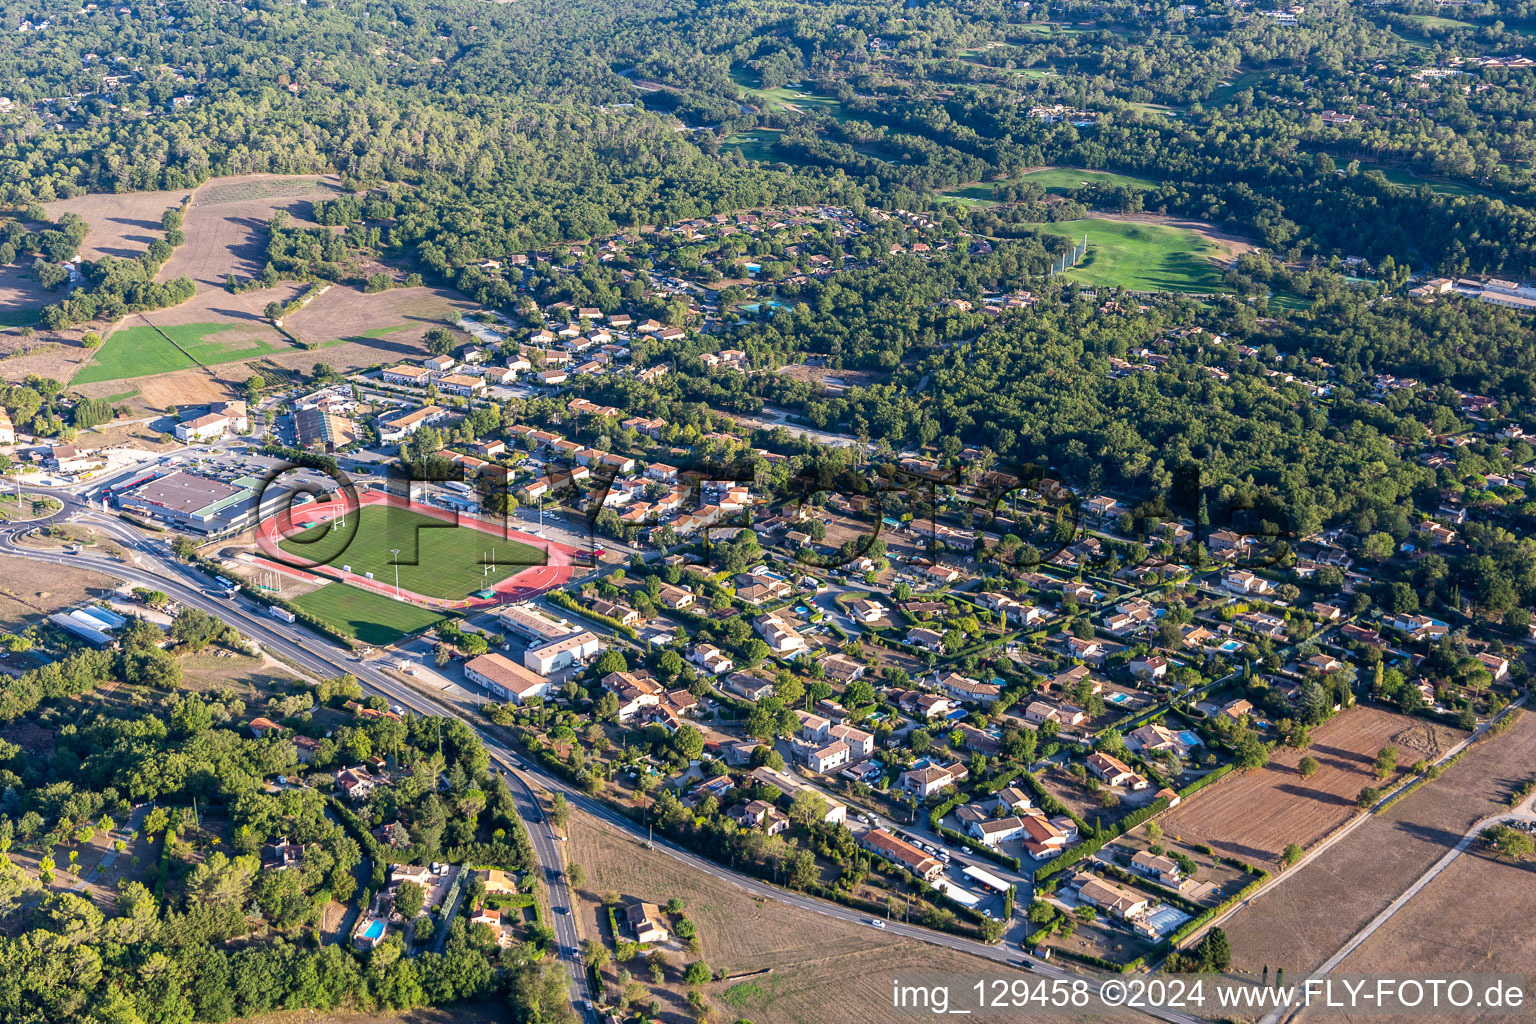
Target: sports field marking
[(437, 559), (369, 618)]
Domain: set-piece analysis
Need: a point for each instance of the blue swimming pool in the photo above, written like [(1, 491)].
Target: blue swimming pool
[(1119, 698), (1189, 739), (1230, 646), (375, 930)]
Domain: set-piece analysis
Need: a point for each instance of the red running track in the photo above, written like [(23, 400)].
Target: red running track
[(522, 586)]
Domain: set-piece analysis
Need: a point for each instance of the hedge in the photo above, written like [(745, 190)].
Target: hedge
[(1097, 961), (1092, 846), (936, 814), (1241, 865), (355, 825), (1001, 780), (567, 602), (1194, 924), (1048, 801), (1206, 780), (300, 457), (1169, 895)]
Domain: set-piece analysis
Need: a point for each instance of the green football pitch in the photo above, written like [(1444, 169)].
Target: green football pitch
[(436, 559), (369, 618)]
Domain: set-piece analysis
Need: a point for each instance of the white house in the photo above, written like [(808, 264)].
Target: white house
[(208, 427)]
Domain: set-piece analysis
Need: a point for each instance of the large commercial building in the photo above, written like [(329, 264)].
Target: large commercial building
[(202, 504), (505, 678)]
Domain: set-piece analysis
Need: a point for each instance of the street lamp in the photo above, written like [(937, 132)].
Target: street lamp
[(396, 553)]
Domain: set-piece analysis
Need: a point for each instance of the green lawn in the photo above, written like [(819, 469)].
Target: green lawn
[(437, 559), (1058, 180), (1407, 179), (142, 350), (1224, 93), (220, 343), (1055, 181), (133, 352), (1434, 21), (786, 96), (369, 618), (757, 144), (976, 194), (1142, 257)]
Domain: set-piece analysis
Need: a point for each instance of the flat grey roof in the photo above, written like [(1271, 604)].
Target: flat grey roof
[(185, 492)]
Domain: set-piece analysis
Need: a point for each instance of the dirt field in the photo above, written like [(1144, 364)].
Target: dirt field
[(31, 590), (1254, 815), (223, 226), (353, 327), (122, 224), (1436, 930), (100, 866), (1359, 876), (1088, 805), (182, 388), (225, 229), (254, 679), (822, 969), (20, 298), (56, 354), (840, 379), (142, 434)]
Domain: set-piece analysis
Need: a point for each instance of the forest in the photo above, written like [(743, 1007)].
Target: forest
[(1351, 149), (178, 945), (517, 126)]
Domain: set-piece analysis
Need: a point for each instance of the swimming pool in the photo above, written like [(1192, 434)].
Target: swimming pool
[(1119, 698), (1189, 739), (1230, 646), (375, 930)]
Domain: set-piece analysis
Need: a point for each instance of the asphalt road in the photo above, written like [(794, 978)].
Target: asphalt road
[(323, 659)]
